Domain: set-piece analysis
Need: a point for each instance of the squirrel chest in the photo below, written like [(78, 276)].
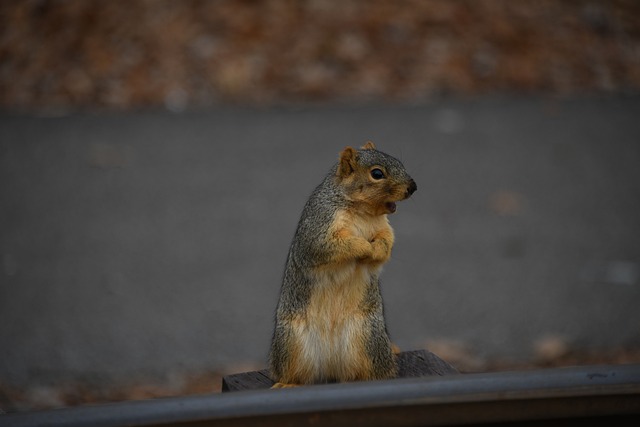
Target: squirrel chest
[(340, 286), (331, 326)]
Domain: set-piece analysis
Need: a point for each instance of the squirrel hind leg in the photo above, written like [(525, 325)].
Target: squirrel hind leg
[(284, 385)]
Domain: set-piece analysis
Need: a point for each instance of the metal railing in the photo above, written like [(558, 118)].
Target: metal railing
[(563, 396)]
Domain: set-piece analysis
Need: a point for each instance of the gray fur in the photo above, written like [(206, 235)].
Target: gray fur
[(308, 250)]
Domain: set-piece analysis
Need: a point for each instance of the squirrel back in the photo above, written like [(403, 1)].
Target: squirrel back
[(329, 319)]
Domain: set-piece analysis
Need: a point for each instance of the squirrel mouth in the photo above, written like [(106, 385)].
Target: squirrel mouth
[(391, 206)]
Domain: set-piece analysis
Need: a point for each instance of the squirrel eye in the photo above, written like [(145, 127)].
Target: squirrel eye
[(377, 174)]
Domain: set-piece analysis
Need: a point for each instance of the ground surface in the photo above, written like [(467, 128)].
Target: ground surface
[(151, 244), (138, 53)]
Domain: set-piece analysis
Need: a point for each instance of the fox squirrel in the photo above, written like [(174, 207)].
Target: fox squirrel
[(329, 320)]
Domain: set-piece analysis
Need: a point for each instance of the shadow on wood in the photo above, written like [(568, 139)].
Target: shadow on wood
[(411, 364)]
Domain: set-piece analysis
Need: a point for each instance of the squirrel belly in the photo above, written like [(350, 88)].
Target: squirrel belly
[(329, 333), (333, 337), (329, 320)]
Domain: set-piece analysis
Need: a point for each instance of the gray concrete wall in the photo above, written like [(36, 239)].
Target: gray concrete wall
[(153, 243)]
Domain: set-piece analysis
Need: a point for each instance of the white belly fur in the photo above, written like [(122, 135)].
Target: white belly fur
[(330, 333)]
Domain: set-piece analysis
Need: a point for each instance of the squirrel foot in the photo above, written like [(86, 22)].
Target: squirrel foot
[(395, 349), (284, 385)]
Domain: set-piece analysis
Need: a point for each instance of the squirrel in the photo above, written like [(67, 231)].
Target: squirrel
[(329, 323)]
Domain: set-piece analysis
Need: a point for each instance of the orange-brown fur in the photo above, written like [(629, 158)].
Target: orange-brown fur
[(328, 339)]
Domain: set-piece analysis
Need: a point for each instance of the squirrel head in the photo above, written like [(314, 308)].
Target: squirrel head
[(373, 180)]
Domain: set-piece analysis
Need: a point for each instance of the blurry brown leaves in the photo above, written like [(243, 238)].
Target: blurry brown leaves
[(550, 350), (126, 54), (75, 393)]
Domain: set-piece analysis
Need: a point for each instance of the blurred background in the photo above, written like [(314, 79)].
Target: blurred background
[(155, 157)]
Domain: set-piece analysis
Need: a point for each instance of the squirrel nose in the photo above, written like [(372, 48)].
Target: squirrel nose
[(412, 187)]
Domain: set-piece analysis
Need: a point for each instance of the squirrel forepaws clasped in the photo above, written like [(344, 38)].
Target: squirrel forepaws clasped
[(381, 247)]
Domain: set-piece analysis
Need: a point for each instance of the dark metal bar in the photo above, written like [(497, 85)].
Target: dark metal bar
[(560, 395)]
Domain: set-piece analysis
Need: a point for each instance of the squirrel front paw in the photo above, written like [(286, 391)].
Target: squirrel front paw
[(381, 250)]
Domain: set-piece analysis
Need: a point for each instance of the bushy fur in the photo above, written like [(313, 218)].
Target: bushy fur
[(329, 320)]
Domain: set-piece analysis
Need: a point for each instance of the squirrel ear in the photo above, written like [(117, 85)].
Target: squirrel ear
[(347, 162), (369, 146)]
